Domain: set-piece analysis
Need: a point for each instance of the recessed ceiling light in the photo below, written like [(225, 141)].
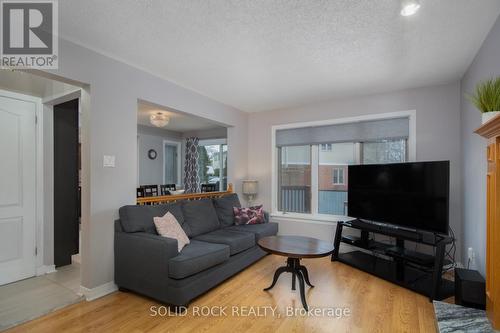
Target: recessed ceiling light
[(409, 7)]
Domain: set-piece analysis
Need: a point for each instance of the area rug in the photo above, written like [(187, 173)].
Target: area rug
[(456, 318)]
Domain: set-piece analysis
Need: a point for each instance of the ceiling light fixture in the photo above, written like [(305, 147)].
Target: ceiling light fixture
[(409, 7), (159, 119)]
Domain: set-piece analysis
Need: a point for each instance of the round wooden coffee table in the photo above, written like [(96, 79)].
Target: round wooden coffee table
[(295, 248)]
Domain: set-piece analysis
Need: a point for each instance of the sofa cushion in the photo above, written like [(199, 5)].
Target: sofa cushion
[(140, 218), (224, 207), (196, 257), (237, 241), (201, 216), (260, 230)]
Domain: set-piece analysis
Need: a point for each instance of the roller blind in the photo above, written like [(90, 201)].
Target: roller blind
[(362, 131)]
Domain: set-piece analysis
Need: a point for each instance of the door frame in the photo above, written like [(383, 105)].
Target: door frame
[(179, 159), (39, 268)]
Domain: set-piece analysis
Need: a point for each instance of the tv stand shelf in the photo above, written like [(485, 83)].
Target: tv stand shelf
[(371, 245), (417, 271)]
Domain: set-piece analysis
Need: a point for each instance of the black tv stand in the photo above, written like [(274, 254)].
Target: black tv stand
[(414, 270)]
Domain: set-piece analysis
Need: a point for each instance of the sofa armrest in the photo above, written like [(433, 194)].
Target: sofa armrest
[(141, 261), (266, 217)]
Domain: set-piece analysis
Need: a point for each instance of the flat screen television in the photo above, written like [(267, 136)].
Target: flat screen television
[(411, 195)]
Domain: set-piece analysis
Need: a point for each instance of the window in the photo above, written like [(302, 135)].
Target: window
[(332, 173), (312, 176), (384, 151), (338, 176), (294, 194), (212, 163), (326, 147)]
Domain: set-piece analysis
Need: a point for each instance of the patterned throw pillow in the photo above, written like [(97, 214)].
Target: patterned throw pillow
[(167, 226), (251, 215)]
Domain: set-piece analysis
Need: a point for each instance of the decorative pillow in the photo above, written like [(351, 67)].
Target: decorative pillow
[(167, 226), (250, 215)]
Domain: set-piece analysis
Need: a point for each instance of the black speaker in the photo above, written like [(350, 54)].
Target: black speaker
[(470, 288)]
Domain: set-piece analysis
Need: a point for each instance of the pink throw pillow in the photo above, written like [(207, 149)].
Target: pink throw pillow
[(167, 226), (251, 215)]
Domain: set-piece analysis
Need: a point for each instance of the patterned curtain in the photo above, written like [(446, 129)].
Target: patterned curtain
[(191, 177)]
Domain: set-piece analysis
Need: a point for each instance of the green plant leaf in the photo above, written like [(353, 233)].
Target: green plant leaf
[(486, 96)]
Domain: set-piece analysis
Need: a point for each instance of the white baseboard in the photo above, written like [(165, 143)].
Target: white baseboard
[(45, 269), (99, 291)]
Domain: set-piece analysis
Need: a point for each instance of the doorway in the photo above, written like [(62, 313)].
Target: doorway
[(171, 162), (67, 203), (30, 285)]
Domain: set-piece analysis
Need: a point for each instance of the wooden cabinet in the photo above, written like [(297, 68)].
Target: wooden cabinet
[(491, 131)]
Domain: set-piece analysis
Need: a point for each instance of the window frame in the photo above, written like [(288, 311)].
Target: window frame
[(218, 142), (314, 215), (328, 147), (279, 173), (340, 171), (362, 152)]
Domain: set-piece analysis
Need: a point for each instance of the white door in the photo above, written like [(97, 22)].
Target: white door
[(17, 188)]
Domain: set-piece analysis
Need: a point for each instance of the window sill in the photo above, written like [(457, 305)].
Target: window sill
[(309, 218)]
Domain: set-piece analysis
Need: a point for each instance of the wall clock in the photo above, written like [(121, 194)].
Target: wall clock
[(152, 154)]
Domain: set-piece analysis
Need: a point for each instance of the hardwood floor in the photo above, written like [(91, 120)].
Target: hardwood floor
[(375, 306)]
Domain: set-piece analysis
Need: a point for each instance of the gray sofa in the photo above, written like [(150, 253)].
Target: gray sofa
[(150, 264)]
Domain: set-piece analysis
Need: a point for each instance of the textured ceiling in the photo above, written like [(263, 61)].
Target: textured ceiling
[(265, 54)]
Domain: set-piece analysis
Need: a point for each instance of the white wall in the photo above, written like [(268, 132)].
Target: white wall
[(110, 128), (485, 65), (438, 138)]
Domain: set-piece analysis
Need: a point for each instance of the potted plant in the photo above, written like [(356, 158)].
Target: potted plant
[(486, 98)]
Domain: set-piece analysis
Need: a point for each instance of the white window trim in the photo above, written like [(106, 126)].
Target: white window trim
[(314, 216), (314, 179), (179, 159)]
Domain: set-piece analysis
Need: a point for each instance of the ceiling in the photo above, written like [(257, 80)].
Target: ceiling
[(259, 55), (33, 85), (179, 122)]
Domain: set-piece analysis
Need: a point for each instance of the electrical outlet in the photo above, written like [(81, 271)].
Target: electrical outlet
[(471, 255), (108, 161)]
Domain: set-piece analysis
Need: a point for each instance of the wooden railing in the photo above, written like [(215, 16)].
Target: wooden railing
[(176, 197)]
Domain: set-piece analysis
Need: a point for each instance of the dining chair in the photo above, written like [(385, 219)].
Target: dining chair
[(165, 189)]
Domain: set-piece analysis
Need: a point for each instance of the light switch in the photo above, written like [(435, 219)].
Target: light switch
[(109, 161)]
